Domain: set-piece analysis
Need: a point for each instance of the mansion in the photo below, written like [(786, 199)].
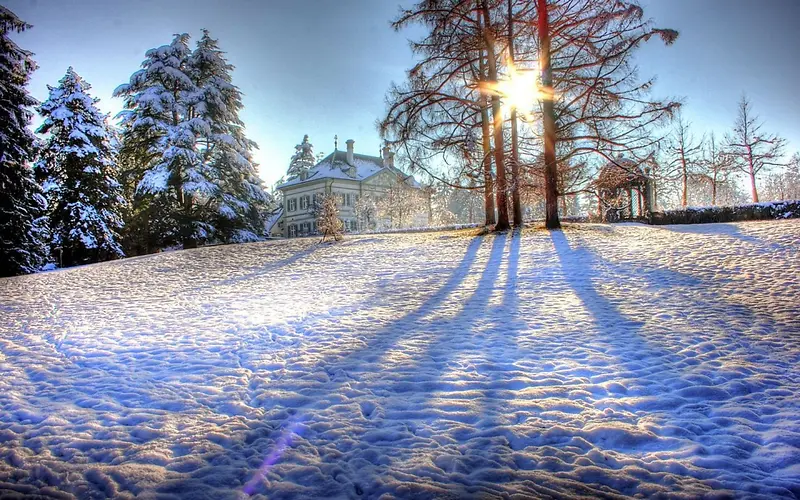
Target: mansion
[(348, 176)]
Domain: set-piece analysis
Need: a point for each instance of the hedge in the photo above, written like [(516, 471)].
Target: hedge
[(703, 215)]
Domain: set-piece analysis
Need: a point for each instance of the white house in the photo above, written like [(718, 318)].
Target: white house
[(347, 175)]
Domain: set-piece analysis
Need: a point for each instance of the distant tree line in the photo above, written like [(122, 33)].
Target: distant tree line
[(178, 171)]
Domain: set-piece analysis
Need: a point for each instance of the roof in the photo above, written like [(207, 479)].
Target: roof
[(335, 166), (272, 220), (620, 173)]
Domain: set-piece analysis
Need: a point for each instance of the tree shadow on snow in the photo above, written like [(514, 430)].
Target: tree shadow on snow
[(673, 378), (311, 408), (729, 229)]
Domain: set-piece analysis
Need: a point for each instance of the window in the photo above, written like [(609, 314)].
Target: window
[(304, 202), (292, 231), (348, 200), (306, 228), (292, 204), (314, 227)]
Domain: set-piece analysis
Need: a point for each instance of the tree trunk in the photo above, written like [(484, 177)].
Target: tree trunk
[(713, 191), (497, 127), (550, 170), (685, 179), (752, 173), (488, 186), (515, 198), (600, 209)]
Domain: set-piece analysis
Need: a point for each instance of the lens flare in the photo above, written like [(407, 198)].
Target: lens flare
[(281, 445), (518, 89)]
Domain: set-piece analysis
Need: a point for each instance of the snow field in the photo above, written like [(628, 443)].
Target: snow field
[(603, 361)]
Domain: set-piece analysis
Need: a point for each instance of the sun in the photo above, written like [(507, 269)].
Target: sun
[(518, 89)]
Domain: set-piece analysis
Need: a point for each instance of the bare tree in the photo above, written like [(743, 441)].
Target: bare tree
[(715, 167), (683, 152), (601, 107), (366, 210), (516, 202), (489, 37), (785, 185), (328, 222), (548, 113), (750, 149), (435, 116), (400, 205)]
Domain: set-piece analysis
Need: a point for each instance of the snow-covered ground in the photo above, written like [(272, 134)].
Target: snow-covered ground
[(601, 361)]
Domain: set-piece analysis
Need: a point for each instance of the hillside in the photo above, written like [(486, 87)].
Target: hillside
[(601, 361)]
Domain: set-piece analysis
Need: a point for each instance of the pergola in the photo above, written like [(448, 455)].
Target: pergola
[(623, 191)]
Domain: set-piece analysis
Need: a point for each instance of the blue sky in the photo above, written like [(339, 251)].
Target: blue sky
[(322, 67)]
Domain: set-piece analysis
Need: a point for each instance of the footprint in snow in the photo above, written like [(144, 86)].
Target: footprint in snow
[(367, 408)]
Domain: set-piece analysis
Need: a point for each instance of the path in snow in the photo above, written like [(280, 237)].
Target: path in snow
[(601, 361)]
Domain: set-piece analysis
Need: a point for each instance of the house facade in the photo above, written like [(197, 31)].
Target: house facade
[(349, 177)]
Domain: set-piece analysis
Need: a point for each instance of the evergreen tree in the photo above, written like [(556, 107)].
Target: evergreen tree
[(160, 138), (22, 226), (302, 160), (186, 150), (78, 168), (239, 201)]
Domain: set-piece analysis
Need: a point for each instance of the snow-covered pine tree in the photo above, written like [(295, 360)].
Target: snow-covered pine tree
[(159, 139), (239, 201), (78, 168), (22, 224), (328, 222), (302, 160)]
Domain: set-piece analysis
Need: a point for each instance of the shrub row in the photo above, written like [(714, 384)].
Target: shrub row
[(703, 215)]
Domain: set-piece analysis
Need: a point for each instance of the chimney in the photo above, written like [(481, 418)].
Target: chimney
[(387, 156), (350, 143)]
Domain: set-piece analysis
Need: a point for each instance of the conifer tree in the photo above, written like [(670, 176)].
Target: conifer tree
[(78, 168), (239, 200), (186, 150), (302, 160), (161, 137), (22, 226)]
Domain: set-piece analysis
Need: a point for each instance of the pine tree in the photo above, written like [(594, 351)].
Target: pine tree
[(22, 226), (78, 168), (240, 201), (160, 138), (185, 144), (302, 160)]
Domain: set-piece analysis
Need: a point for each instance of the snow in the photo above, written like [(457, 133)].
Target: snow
[(601, 361)]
